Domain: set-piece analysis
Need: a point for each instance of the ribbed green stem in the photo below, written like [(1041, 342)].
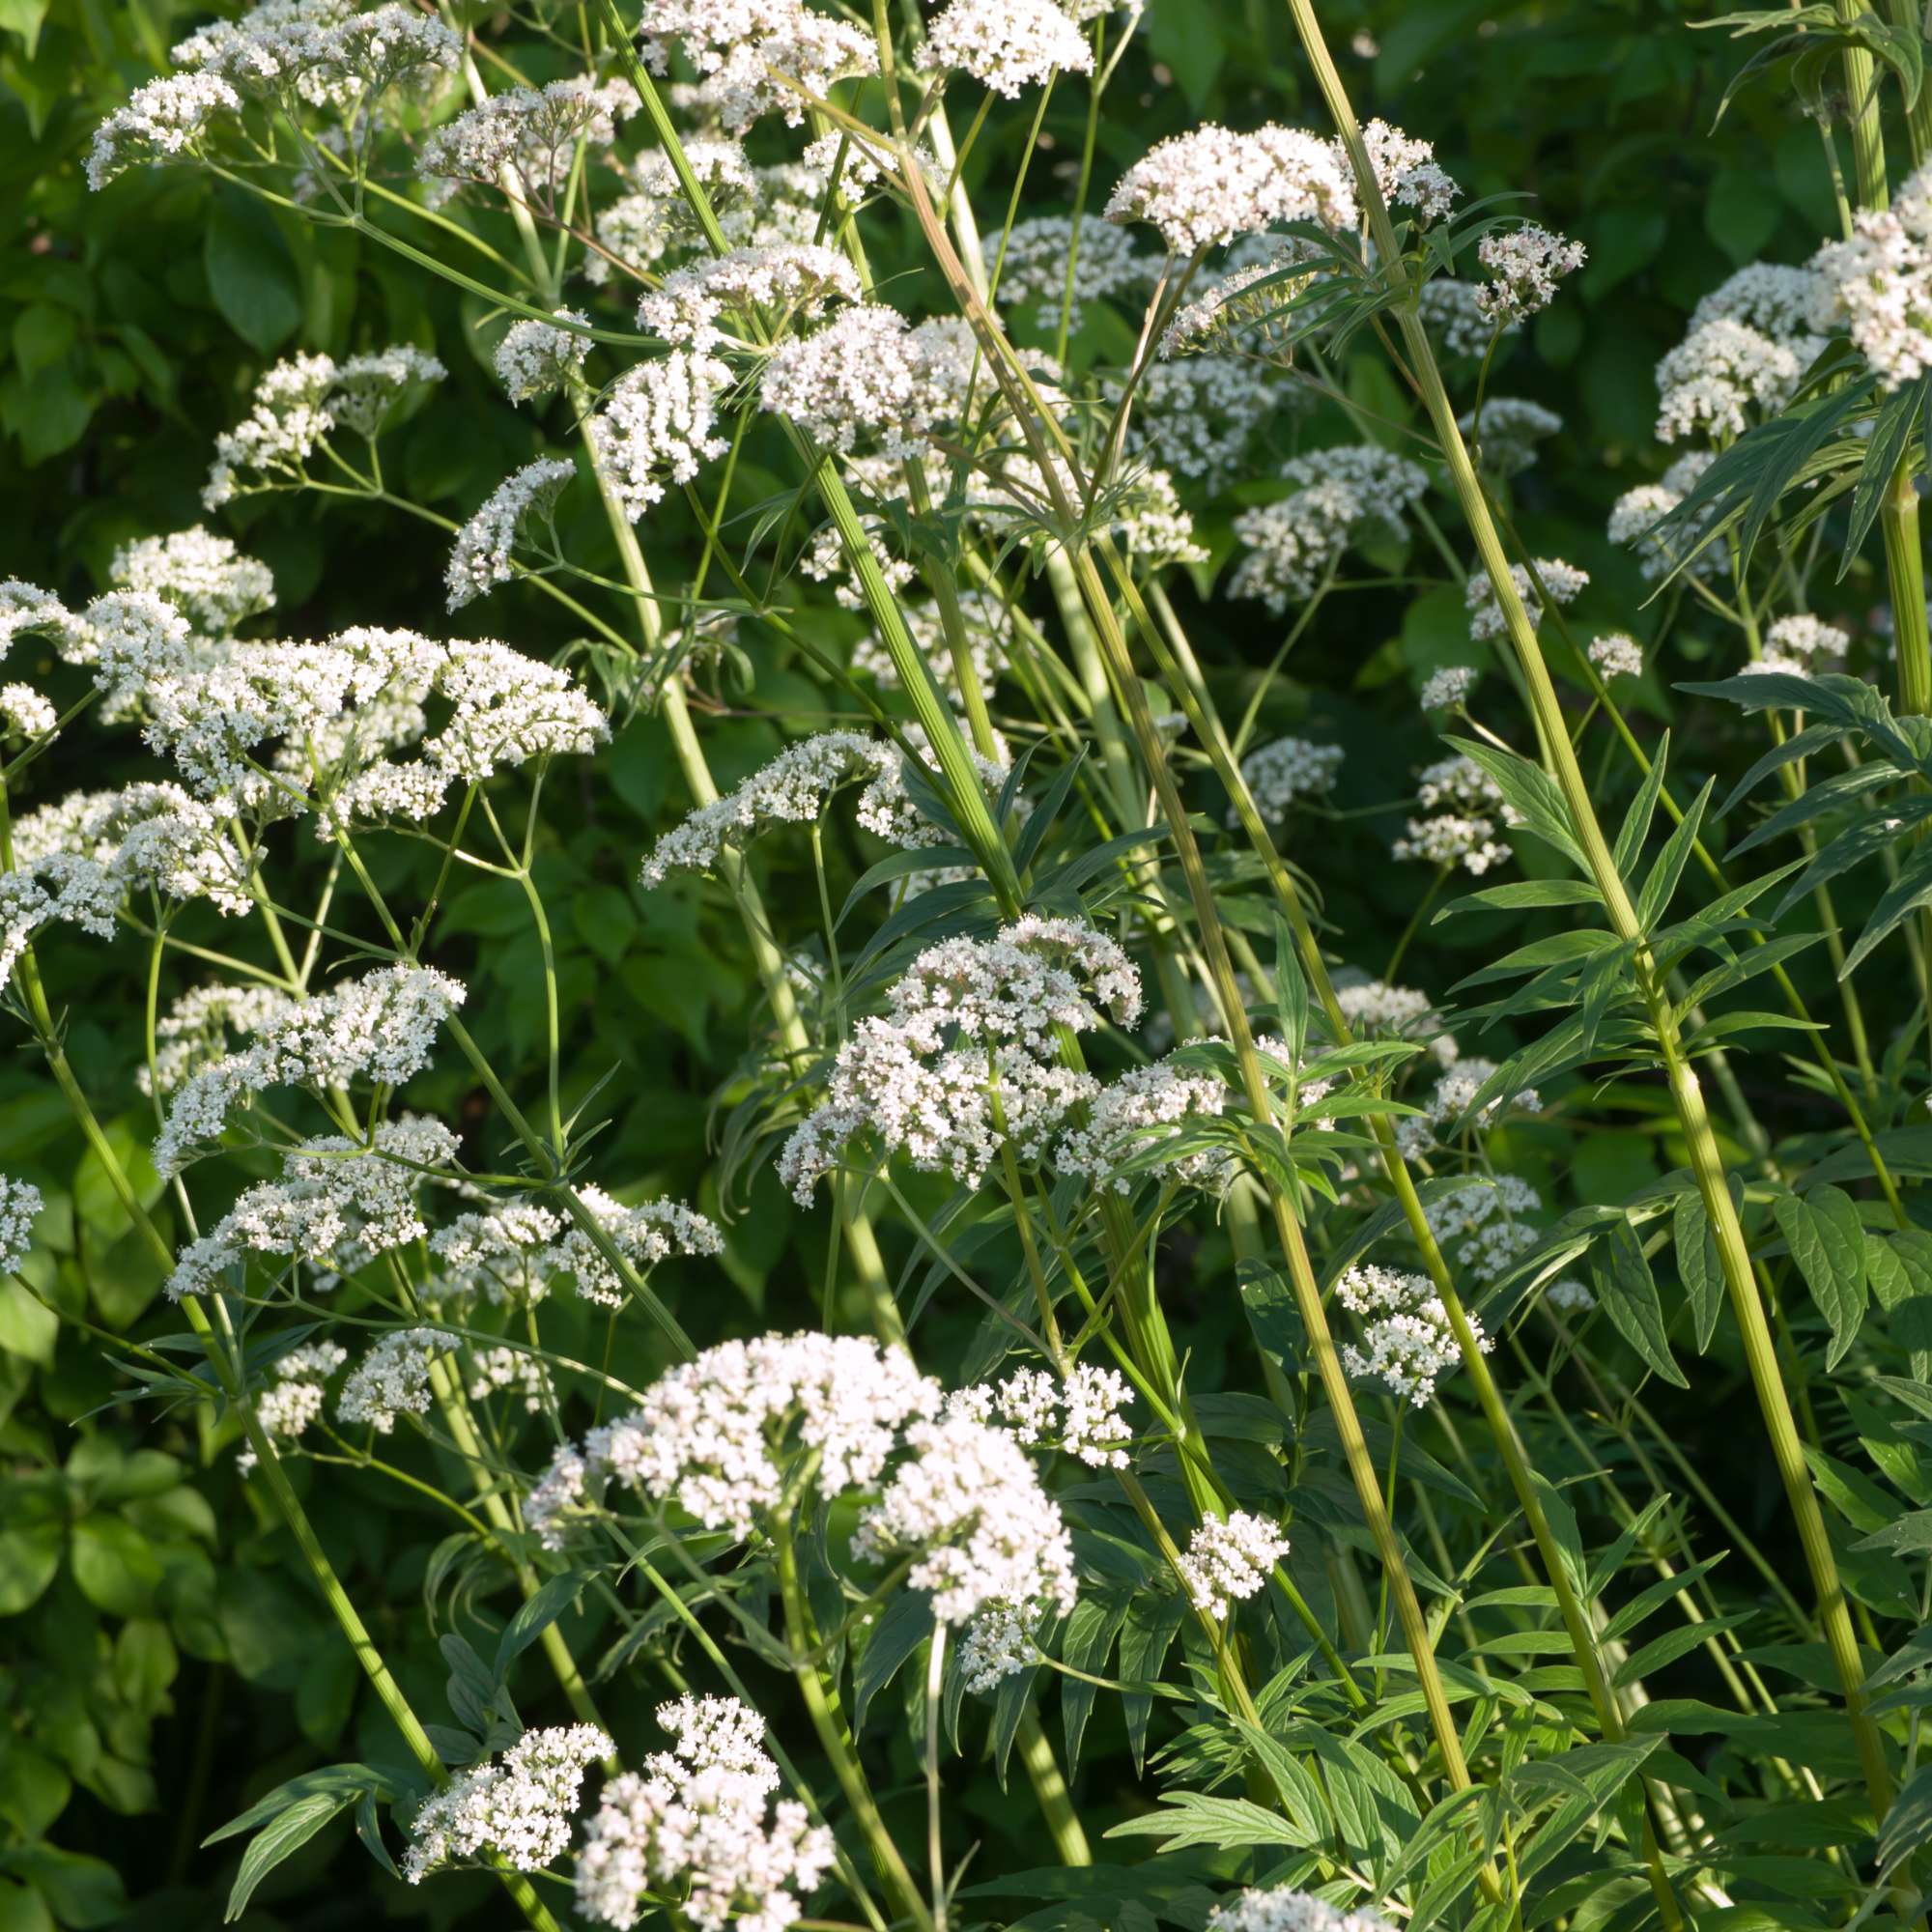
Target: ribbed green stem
[(1056, 1802)]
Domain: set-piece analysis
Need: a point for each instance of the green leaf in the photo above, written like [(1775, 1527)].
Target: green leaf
[(280, 1838), (250, 273), (1532, 792), (1636, 828), (1666, 1649), (1907, 893), (1628, 1295), (1828, 1244), (1893, 430), (1908, 1824), (1698, 1264), (1662, 884), (1521, 894), (1227, 1823), (898, 1630), (29, 1557), (1091, 1631)]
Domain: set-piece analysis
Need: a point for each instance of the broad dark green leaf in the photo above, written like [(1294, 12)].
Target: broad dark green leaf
[(1628, 1295), (1828, 1244)]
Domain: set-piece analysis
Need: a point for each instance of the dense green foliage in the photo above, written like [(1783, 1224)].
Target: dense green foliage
[(164, 1657)]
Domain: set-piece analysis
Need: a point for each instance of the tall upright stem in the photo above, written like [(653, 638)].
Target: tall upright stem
[(1686, 1095)]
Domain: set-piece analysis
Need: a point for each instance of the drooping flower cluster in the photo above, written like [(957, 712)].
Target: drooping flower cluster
[(518, 1810), (1197, 418), (1637, 513), (1450, 686), (527, 138), (323, 53), (1228, 1559), (481, 556), (1803, 646), (1039, 257), (392, 1379), (1408, 174), (869, 374), (1721, 377), (160, 122), (793, 790), (1373, 1006), (747, 52), (1506, 431), (966, 1057), (997, 1557), (1450, 1102), (1082, 1414), (1458, 315), (643, 1234), (1616, 654), (659, 424), (786, 279), (535, 358), (1410, 1344), (698, 1825), (203, 576)]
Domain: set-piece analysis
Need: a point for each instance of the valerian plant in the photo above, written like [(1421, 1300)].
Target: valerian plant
[(1396, 1608)]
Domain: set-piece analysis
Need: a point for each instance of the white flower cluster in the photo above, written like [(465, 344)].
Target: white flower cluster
[(1008, 46), (748, 49), (500, 1253), (997, 1557), (1523, 265), (983, 618), (513, 1371), (868, 374), (1211, 185), (1031, 1403), (1569, 1297), (19, 1208), (1284, 1911), (1410, 1344), (528, 137), (203, 576), (195, 1028), (160, 122), (1043, 252), (339, 1204), (323, 53), (1450, 1101), (788, 279), (696, 1823), (1878, 285), (1467, 803), (1345, 495), (1290, 769), (380, 1028), (1197, 418), (645, 1235), (1564, 582), (392, 1379), (536, 358), (76, 891), (659, 422), (966, 1057), (1636, 512), (1479, 1225), (1447, 687), (480, 557), (1373, 1006), (637, 230), (1408, 174), (518, 1810), (1455, 312), (1131, 1116), (1616, 654), (1506, 431), (793, 790), (1228, 1559), (143, 837), (295, 1396), (301, 403), (1720, 373), (1803, 646)]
